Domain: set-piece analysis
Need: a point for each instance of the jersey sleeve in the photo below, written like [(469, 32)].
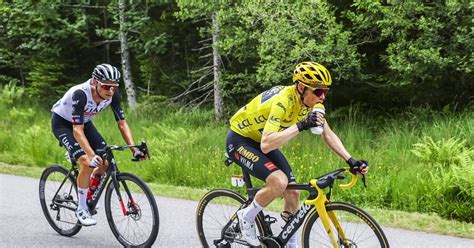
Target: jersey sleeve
[(277, 112), (116, 107), (79, 100)]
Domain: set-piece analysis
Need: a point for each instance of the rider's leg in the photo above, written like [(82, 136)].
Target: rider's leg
[(83, 181), (97, 142), (62, 130), (275, 186), (292, 198)]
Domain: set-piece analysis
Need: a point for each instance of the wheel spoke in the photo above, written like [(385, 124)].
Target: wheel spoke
[(140, 226), (214, 213), (58, 198), (359, 229)]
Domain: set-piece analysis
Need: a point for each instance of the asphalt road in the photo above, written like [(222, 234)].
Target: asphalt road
[(22, 224)]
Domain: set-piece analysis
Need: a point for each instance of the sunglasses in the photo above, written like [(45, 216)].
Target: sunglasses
[(320, 92), (108, 86)]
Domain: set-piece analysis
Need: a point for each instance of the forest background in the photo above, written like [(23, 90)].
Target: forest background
[(402, 95)]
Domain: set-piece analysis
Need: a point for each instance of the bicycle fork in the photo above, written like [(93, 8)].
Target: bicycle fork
[(327, 217), (119, 196)]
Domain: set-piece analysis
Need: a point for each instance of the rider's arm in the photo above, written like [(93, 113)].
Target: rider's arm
[(121, 123), (126, 133), (274, 140), (79, 100), (331, 140)]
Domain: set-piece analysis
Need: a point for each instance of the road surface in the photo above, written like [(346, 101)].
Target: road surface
[(22, 224)]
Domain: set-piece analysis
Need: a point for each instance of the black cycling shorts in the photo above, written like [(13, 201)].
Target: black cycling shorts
[(247, 153), (62, 129)]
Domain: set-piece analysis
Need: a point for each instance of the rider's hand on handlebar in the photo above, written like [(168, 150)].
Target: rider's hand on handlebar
[(95, 162), (358, 166), (313, 119), (139, 155)]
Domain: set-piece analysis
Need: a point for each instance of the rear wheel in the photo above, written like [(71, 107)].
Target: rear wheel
[(134, 220), (217, 224), (58, 198), (358, 227)]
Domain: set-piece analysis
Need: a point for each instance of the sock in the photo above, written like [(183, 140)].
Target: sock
[(293, 241), (251, 211), (82, 195)]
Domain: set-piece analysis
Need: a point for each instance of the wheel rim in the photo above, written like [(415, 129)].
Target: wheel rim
[(136, 227), (63, 218), (215, 222), (358, 233)]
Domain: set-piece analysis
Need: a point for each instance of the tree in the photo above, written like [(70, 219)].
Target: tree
[(127, 72), (218, 101), (36, 38), (207, 11), (417, 53)]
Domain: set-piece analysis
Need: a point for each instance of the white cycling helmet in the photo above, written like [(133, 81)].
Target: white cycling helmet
[(106, 72)]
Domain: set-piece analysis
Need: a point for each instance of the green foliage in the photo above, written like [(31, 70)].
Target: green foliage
[(417, 47), (43, 77), (450, 164), (187, 149), (40, 41), (386, 54), (443, 153), (10, 93)]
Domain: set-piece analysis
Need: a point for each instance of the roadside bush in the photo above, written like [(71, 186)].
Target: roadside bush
[(450, 187)]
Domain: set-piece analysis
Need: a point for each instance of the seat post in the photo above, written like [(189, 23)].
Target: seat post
[(248, 182)]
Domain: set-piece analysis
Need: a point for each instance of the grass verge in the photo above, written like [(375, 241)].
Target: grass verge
[(411, 221)]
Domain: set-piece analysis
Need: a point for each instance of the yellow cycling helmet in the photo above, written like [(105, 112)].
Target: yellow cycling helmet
[(312, 75)]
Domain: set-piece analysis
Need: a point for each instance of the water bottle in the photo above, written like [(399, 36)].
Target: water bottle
[(93, 183), (319, 108)]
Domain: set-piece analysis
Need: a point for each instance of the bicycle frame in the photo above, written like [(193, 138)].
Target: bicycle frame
[(317, 199), (111, 172)]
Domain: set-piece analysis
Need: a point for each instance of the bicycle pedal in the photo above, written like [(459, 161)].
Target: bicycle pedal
[(270, 220)]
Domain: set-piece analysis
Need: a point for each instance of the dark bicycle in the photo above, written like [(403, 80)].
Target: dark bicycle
[(130, 206), (324, 223)]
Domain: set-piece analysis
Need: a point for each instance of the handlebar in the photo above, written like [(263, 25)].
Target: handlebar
[(328, 180), (142, 147), (353, 181)]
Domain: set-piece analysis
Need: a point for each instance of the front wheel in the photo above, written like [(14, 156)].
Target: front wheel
[(358, 228), (216, 221), (58, 198), (134, 221)]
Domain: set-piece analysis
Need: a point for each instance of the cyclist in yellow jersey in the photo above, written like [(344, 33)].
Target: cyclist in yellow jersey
[(269, 121)]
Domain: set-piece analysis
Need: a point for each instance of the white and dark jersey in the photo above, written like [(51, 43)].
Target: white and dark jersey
[(78, 107)]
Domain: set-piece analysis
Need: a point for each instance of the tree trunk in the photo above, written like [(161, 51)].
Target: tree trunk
[(127, 72), (218, 101)]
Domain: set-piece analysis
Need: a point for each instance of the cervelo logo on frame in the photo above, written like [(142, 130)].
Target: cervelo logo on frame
[(298, 218)]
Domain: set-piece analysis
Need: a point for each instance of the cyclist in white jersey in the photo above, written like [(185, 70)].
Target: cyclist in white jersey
[(72, 126)]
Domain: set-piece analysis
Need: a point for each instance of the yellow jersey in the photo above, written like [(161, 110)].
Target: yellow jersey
[(273, 110)]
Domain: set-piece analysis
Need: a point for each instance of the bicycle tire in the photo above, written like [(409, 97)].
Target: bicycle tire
[(65, 222), (229, 203), (359, 227), (141, 195)]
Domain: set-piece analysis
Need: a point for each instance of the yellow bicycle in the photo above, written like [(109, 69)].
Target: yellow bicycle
[(325, 223)]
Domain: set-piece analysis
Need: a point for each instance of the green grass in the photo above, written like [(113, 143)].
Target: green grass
[(187, 150), (412, 221)]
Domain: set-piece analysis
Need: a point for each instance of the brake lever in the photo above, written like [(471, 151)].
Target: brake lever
[(144, 149), (363, 180)]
